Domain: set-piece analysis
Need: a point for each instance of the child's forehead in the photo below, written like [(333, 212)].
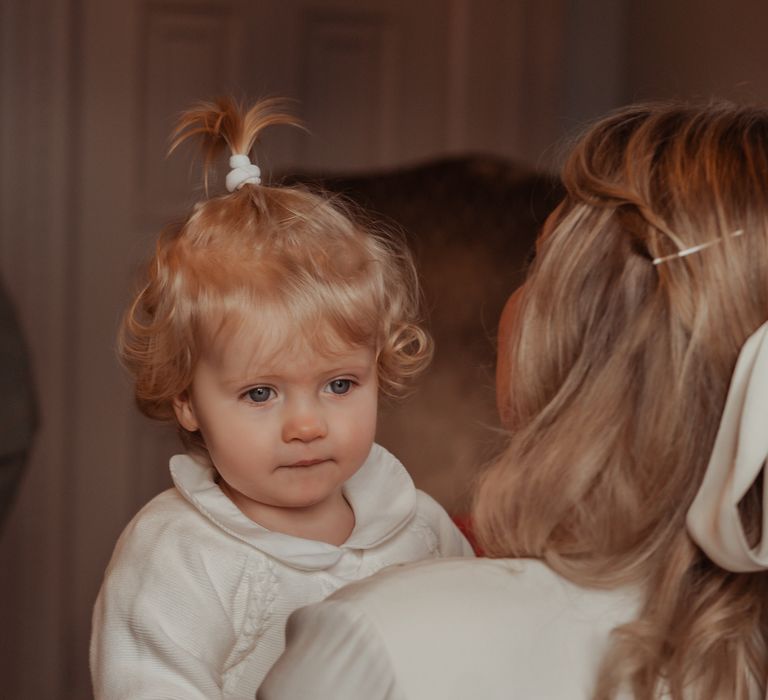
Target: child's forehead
[(248, 348)]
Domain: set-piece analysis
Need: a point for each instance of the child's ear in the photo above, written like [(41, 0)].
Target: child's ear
[(185, 412)]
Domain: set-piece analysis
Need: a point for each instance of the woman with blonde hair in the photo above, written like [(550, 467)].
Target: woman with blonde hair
[(626, 523)]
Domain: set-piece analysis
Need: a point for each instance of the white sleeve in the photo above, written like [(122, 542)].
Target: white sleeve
[(450, 541), (163, 623), (333, 652)]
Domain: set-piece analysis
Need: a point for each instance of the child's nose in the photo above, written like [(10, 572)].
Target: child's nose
[(304, 422)]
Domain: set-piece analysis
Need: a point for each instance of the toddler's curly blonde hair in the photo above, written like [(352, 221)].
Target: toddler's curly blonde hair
[(293, 261)]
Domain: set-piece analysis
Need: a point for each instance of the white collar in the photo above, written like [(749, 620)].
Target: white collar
[(381, 493)]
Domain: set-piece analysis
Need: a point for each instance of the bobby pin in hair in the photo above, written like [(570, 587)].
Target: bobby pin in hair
[(695, 249)]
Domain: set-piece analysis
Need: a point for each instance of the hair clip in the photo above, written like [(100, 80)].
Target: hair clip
[(696, 248)]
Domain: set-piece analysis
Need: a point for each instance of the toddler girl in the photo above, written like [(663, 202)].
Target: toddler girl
[(268, 325)]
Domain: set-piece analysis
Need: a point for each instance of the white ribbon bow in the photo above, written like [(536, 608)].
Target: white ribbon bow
[(738, 457), (242, 172)]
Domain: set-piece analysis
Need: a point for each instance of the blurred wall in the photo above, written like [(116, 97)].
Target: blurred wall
[(697, 49)]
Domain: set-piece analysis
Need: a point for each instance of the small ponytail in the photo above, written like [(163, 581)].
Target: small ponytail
[(225, 123)]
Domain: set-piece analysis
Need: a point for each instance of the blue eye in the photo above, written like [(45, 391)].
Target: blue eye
[(259, 394), (340, 386)]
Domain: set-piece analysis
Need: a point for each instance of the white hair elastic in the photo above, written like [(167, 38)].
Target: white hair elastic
[(695, 248), (738, 457), (242, 172)]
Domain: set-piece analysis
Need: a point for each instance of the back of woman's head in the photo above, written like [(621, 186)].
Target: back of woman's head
[(617, 365), (293, 262)]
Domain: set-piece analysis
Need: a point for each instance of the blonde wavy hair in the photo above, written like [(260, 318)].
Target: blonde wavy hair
[(295, 261), (613, 375)]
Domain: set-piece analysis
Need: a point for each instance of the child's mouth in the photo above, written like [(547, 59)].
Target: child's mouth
[(306, 463)]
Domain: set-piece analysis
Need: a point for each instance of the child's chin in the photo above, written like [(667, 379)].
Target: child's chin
[(305, 501)]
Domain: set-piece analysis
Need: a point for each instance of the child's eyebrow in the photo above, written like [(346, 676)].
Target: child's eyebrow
[(268, 374)]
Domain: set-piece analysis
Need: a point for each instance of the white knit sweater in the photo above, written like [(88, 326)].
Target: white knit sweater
[(195, 598)]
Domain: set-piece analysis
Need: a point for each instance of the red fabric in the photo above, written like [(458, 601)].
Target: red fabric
[(464, 523)]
